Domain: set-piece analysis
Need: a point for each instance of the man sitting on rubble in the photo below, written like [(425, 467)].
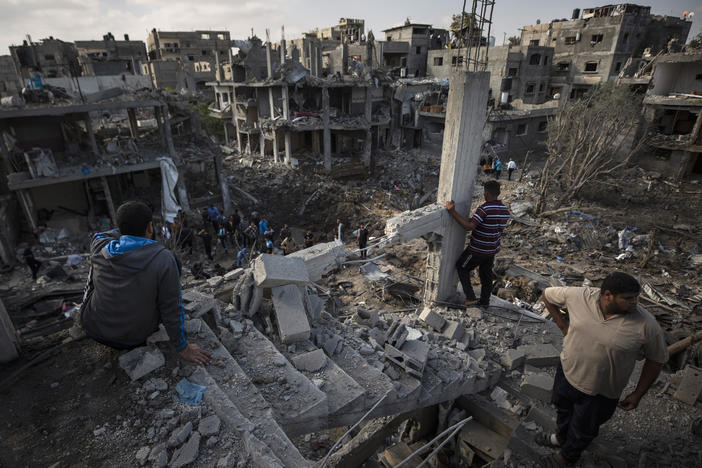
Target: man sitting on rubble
[(486, 225), (133, 284), (605, 334)]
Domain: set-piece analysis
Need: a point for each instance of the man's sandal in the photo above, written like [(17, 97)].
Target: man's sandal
[(547, 440)]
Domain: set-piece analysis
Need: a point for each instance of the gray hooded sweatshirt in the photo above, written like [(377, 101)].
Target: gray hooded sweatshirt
[(133, 285)]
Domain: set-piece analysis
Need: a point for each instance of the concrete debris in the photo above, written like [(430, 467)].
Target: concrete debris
[(290, 314), (320, 259), (690, 387), (538, 386), (310, 362), (188, 453), (540, 355), (270, 271), (412, 224), (513, 358), (180, 435), (432, 319), (142, 455), (141, 361), (412, 357), (209, 426), (454, 330), (246, 296), (159, 336), (396, 335)]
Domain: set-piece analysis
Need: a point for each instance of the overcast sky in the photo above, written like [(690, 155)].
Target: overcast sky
[(72, 20)]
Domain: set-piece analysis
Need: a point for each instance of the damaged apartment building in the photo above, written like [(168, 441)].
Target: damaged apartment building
[(280, 110), (67, 167)]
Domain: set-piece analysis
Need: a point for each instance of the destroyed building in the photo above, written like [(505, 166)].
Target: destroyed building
[(194, 53), (111, 56), (420, 39), (49, 57), (10, 83), (292, 111), (673, 115), (593, 46)]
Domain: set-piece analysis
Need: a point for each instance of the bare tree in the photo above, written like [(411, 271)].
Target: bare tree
[(588, 139)]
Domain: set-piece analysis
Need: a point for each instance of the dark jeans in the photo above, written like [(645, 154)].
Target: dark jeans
[(34, 265), (362, 246), (509, 174), (579, 416), (467, 263)]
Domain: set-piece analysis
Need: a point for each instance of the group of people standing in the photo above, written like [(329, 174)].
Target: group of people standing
[(494, 166)]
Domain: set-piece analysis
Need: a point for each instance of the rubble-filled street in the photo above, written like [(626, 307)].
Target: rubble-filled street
[(337, 250)]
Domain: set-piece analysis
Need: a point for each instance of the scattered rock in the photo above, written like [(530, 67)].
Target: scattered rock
[(141, 361), (179, 435), (188, 453), (209, 426)]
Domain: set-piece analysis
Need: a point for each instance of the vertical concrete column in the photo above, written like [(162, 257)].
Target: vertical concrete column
[(286, 116), (465, 118), (28, 207), (226, 134), (315, 142), (271, 102), (108, 199), (133, 126), (91, 135), (367, 150), (223, 186), (235, 118), (159, 122), (169, 133), (326, 136), (276, 155), (262, 143)]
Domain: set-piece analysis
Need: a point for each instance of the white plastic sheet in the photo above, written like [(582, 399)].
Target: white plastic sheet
[(169, 179)]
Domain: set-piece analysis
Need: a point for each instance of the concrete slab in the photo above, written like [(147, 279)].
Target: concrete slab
[(343, 393), (540, 355), (310, 362), (538, 386), (141, 361), (513, 358), (412, 224), (454, 330), (290, 314), (270, 271), (320, 259), (691, 385)]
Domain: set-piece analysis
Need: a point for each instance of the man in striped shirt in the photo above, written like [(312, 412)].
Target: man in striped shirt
[(486, 228)]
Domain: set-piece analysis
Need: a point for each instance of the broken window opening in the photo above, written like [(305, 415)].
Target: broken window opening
[(591, 66), (419, 50), (596, 38), (512, 72), (570, 40), (563, 66), (618, 66), (535, 59), (438, 61), (534, 42), (529, 88), (543, 126), (204, 36), (521, 129)]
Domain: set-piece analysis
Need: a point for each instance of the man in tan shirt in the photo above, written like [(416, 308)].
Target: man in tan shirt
[(605, 334)]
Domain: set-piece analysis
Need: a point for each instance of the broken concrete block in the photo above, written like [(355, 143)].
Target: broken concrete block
[(432, 319), (690, 386), (234, 274), (540, 355), (315, 306), (397, 334), (320, 259), (538, 386), (310, 362), (412, 357), (188, 453), (412, 224), (366, 317), (215, 281), (159, 336), (142, 455), (332, 344), (180, 435), (141, 361), (290, 314), (454, 330), (209, 426), (270, 271), (513, 358)]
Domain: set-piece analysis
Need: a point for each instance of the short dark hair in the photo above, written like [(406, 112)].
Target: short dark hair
[(133, 218), (492, 187), (619, 283)]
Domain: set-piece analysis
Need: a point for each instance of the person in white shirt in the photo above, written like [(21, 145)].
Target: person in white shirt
[(511, 166)]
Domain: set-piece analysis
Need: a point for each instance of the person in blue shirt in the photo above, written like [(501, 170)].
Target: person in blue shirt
[(263, 226), (213, 214), (241, 257), (498, 168)]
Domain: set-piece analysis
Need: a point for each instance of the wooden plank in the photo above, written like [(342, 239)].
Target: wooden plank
[(487, 443), (394, 455)]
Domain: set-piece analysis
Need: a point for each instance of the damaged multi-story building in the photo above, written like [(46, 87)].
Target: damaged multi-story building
[(673, 115), (70, 166), (110, 56), (185, 59), (290, 110), (49, 57)]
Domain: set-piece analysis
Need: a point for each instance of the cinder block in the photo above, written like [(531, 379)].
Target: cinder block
[(540, 355), (310, 362), (290, 314), (538, 386), (513, 358), (270, 271), (454, 330), (412, 357), (432, 319), (397, 334)]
